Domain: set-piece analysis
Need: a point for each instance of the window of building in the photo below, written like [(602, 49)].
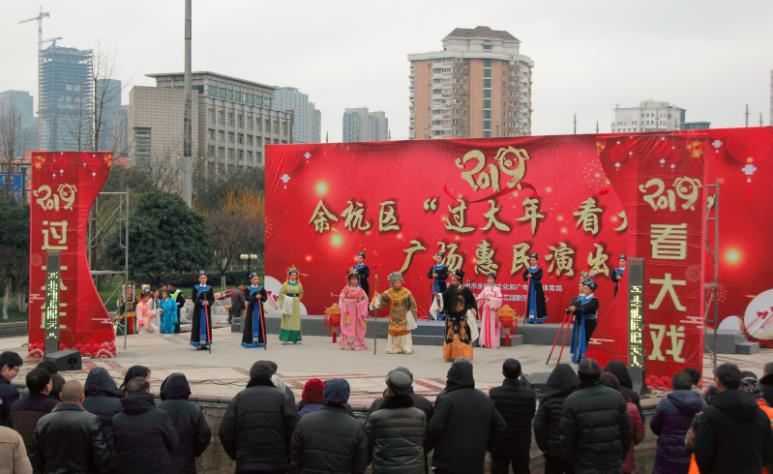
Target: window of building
[(230, 137), (276, 125), (487, 114), (268, 125), (230, 119), (487, 82), (249, 157), (260, 158), (230, 154), (486, 63), (221, 153), (250, 124), (212, 115), (221, 117), (240, 139), (220, 136), (211, 151), (284, 128), (258, 123), (487, 46), (241, 156), (142, 141), (240, 119), (211, 133), (487, 93), (249, 139), (211, 90)]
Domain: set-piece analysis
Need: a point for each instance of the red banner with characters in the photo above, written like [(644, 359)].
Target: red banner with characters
[(64, 186)]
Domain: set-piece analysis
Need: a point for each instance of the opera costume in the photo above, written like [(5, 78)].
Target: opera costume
[(585, 309), (290, 296), (203, 297), (438, 273), (353, 302), (619, 272), (402, 315), (460, 308), (363, 273), (168, 308), (489, 301), (254, 326), (536, 311)]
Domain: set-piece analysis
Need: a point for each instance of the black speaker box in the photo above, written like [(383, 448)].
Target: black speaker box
[(66, 360), (537, 381)]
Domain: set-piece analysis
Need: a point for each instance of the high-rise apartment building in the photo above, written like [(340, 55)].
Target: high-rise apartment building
[(306, 117), (479, 85), (649, 116), (232, 120), (361, 125), (65, 117), (20, 103), (107, 103)]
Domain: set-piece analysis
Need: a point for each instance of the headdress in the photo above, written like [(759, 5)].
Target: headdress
[(253, 275), (202, 273), (361, 255), (395, 276), (352, 273), (459, 274), (440, 254), (590, 284), (292, 270), (622, 257), (534, 255)]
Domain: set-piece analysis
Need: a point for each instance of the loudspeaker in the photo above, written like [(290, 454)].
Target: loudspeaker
[(537, 381), (66, 360)]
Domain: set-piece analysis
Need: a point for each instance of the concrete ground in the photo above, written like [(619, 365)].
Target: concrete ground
[(224, 372)]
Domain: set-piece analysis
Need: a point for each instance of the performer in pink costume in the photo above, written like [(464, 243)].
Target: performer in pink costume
[(354, 314), (489, 300)]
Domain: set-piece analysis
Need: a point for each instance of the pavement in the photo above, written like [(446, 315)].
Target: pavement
[(225, 371)]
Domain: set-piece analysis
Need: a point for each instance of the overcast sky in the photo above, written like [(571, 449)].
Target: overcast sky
[(710, 57)]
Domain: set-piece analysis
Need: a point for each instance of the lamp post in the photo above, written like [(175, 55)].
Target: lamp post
[(249, 258)]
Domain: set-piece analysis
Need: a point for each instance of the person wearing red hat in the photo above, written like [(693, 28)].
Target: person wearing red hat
[(312, 397)]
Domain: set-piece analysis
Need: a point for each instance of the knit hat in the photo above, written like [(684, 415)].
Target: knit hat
[(336, 392), (313, 391), (261, 372), (751, 386), (399, 382)]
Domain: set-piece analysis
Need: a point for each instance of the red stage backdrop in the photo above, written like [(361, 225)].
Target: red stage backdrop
[(64, 186), (578, 201)]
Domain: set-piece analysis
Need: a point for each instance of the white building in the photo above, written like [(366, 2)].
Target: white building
[(649, 116), (306, 117), (361, 125)]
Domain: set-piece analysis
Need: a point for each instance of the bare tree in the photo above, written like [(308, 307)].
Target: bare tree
[(14, 137), (103, 95)]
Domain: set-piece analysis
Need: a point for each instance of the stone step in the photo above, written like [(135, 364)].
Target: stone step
[(747, 348)]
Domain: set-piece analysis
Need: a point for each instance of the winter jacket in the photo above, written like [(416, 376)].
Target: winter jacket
[(13, 456), (595, 429), (396, 437), (69, 440), (257, 428), (143, 435), (8, 394), (734, 436), (465, 424), (516, 402), (560, 384), (26, 412), (672, 418), (192, 429), (306, 408), (103, 399), (329, 441), (619, 370), (419, 402), (767, 388), (637, 427)]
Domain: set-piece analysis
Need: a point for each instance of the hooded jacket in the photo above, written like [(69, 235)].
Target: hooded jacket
[(144, 436), (673, 417), (733, 435), (619, 370), (517, 404), (188, 420), (102, 399), (767, 388), (396, 436), (560, 384), (464, 425)]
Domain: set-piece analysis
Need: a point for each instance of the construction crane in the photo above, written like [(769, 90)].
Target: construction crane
[(39, 19)]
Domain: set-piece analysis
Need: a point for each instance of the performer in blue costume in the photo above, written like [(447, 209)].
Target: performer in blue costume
[(201, 329), (363, 273), (536, 311), (619, 272), (585, 309), (438, 273), (254, 326)]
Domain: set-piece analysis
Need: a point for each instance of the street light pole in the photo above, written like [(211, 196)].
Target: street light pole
[(187, 175)]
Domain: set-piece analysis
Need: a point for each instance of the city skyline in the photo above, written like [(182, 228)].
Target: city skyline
[(588, 57)]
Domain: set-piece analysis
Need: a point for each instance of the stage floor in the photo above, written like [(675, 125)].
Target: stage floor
[(223, 373)]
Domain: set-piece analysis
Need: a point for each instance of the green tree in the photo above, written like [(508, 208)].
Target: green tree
[(165, 237), (211, 192), (14, 251)]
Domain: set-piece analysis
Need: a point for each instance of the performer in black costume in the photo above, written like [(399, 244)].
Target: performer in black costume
[(438, 273), (536, 311), (363, 273), (254, 327), (585, 309), (201, 328), (619, 272), (461, 331)]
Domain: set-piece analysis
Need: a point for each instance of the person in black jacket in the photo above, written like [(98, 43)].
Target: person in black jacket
[(143, 435), (595, 428), (26, 412), (69, 438), (259, 439), (134, 371), (619, 370), (103, 399), (57, 381), (330, 440), (465, 424), (734, 434), (547, 432), (10, 363), (767, 383), (516, 402), (418, 401), (188, 420)]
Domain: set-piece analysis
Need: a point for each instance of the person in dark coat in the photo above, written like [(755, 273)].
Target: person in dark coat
[(10, 363), (595, 428), (69, 438), (133, 372), (188, 420), (396, 431), (258, 424), (418, 401), (312, 397), (329, 440), (767, 383), (103, 399), (465, 424), (516, 402), (238, 303), (619, 370), (734, 434), (57, 381), (673, 417), (26, 412), (143, 435), (547, 432)]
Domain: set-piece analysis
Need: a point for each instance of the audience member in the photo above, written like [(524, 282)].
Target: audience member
[(312, 397), (637, 425), (547, 432), (10, 363), (516, 402), (192, 429), (13, 455), (422, 403), (25, 412), (330, 440)]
